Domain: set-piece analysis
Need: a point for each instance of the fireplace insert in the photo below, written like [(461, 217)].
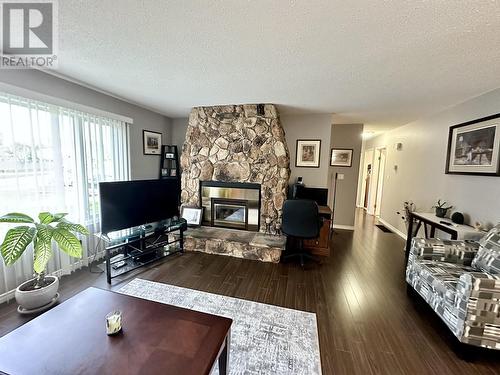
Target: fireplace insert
[(229, 213), (230, 204)]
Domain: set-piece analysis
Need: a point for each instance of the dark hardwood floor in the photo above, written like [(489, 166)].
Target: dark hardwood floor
[(367, 324)]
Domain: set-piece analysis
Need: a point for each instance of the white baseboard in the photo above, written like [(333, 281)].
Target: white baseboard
[(393, 228), (345, 227)]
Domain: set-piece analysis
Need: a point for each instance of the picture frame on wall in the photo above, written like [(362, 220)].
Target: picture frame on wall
[(341, 157), (192, 215), (151, 142), (308, 153), (474, 146)]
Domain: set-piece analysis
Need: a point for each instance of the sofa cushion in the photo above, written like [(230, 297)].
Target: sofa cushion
[(435, 279), (487, 258)]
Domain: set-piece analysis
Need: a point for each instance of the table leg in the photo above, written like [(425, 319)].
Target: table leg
[(108, 266), (181, 240), (409, 236), (224, 358), (415, 233), (433, 231)]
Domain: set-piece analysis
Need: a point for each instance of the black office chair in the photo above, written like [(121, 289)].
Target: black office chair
[(301, 221)]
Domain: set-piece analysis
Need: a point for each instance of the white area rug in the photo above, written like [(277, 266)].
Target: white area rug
[(265, 339)]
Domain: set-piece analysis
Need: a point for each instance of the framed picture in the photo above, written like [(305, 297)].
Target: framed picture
[(341, 157), (151, 142), (473, 147), (173, 172), (308, 152), (192, 215)]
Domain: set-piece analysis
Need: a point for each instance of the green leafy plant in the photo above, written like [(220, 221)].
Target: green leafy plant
[(50, 227), (441, 205)]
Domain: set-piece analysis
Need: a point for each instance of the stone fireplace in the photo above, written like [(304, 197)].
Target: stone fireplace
[(236, 147)]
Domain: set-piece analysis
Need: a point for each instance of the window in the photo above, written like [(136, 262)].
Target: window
[(52, 159)]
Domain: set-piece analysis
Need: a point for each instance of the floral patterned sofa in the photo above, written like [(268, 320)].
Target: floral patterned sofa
[(460, 280)]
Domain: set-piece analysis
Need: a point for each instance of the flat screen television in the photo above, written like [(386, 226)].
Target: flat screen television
[(127, 204), (319, 195)]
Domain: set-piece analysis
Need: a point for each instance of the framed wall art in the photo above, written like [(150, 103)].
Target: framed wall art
[(151, 142), (473, 147), (341, 157), (308, 153)]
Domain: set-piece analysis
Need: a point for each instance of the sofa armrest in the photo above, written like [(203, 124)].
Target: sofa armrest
[(479, 285), (478, 306), (458, 252)]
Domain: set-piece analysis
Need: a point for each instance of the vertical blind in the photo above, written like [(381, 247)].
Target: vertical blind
[(52, 159)]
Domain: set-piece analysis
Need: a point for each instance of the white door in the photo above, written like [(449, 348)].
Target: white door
[(365, 181)]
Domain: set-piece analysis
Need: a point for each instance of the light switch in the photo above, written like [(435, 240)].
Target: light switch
[(340, 176)]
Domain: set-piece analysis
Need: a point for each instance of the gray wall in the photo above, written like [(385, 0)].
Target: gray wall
[(309, 126), (420, 165), (345, 136), (179, 128), (142, 166)]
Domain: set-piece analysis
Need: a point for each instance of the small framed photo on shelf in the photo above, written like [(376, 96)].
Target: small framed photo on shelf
[(192, 215), (308, 152), (341, 157), (474, 147), (164, 172), (151, 142), (173, 172)]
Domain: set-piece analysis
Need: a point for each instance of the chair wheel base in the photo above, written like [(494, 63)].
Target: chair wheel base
[(303, 256)]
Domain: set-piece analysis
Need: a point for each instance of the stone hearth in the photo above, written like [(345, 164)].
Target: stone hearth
[(237, 143), (236, 243)]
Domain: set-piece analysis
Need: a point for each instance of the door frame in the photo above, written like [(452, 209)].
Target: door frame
[(380, 178), (367, 159)]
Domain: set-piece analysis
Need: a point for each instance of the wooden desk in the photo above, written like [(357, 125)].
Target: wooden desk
[(321, 245), (156, 339), (431, 222)]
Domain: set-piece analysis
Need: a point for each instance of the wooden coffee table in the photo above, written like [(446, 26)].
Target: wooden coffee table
[(156, 339)]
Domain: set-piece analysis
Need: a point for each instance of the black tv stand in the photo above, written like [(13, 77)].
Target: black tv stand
[(139, 246)]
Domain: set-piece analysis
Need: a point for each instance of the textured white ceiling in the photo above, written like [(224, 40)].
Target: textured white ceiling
[(383, 63)]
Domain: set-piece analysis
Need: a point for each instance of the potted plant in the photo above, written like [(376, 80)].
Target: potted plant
[(40, 291), (408, 208), (441, 210)]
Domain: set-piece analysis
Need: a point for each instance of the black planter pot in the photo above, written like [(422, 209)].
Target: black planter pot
[(441, 212)]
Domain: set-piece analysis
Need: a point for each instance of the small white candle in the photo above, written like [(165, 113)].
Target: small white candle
[(113, 322)]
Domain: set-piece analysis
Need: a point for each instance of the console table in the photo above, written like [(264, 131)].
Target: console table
[(431, 222), (141, 245)]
